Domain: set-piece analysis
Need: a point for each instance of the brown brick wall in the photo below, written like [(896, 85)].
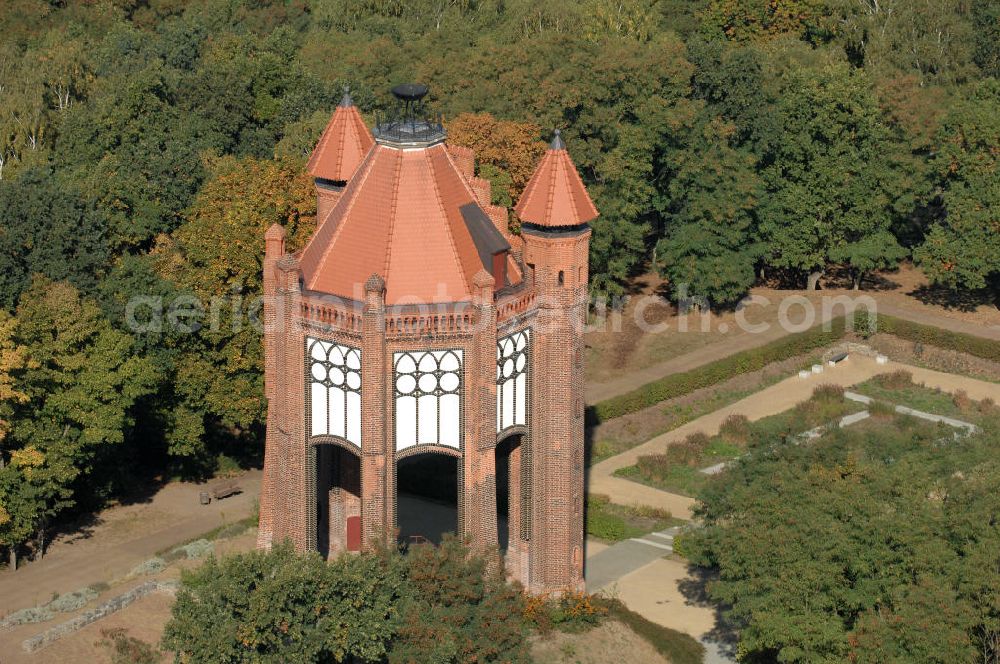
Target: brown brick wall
[(546, 535)]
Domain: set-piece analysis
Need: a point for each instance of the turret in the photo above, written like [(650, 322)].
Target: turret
[(343, 145), (555, 210)]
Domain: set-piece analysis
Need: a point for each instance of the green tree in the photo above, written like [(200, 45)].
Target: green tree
[(136, 155), (888, 556), (962, 248), (47, 228), (986, 25), (709, 249), (828, 178), (81, 386), (932, 39), (216, 257), (280, 606), (757, 20)]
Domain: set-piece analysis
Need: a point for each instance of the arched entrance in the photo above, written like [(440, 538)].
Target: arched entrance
[(338, 500), (426, 496), (511, 486)]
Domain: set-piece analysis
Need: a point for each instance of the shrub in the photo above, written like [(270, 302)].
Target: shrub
[(280, 606), (650, 512), (689, 452), (72, 601), (461, 609), (962, 401), (127, 649), (828, 394), (894, 380), (735, 429), (653, 465), (196, 549), (100, 587), (679, 384), (881, 410), (33, 614), (231, 530), (569, 612), (151, 566), (605, 526), (865, 324)]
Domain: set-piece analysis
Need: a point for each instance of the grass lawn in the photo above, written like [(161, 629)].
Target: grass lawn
[(612, 523)]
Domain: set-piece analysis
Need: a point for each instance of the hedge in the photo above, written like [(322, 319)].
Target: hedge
[(986, 349), (676, 385)]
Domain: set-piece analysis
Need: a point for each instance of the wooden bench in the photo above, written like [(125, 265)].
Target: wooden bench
[(226, 489)]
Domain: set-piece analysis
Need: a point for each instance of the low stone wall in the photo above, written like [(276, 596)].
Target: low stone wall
[(113, 605)]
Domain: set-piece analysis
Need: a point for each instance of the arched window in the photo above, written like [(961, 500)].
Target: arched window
[(334, 390), (428, 388), (512, 379), (562, 277)]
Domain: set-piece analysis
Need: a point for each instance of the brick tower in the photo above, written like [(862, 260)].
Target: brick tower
[(414, 323)]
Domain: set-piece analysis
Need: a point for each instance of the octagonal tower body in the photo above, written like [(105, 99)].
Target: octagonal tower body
[(413, 321)]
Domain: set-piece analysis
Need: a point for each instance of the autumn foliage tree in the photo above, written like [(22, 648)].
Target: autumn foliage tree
[(506, 152), (76, 391), (215, 262)]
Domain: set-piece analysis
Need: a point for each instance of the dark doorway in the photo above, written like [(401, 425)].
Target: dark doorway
[(508, 487), (426, 497), (338, 500)]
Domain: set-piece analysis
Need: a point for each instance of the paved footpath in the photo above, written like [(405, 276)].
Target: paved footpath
[(769, 401), (639, 572), (607, 566)]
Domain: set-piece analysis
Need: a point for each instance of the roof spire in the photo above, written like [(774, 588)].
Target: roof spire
[(346, 100), (557, 141), (555, 195), (343, 145)]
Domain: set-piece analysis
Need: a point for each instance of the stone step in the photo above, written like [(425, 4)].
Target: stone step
[(665, 547)]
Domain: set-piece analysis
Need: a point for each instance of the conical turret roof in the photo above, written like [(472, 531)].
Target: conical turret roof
[(555, 195), (343, 145)]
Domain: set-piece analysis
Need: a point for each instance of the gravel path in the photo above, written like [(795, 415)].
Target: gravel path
[(123, 537), (739, 341), (769, 401)]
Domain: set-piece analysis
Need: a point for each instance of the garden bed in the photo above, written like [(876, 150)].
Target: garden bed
[(681, 468)]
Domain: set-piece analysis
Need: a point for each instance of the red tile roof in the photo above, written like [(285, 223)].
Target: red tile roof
[(555, 195), (410, 216), (343, 145)]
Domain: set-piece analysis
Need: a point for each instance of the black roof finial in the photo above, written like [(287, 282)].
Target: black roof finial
[(346, 100), (557, 141), (410, 92)]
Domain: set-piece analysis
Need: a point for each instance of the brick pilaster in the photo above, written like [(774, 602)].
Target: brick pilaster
[(377, 457), (479, 495)]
